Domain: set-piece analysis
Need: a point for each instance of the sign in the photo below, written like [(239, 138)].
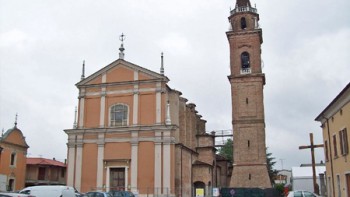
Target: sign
[(216, 192), (199, 192)]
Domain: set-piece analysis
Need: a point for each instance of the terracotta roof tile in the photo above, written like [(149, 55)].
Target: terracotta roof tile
[(43, 161)]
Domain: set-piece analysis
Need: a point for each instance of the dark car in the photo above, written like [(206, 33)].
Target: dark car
[(98, 194), (121, 194)]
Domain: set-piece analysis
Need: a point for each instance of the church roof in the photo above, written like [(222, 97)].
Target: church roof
[(243, 3)]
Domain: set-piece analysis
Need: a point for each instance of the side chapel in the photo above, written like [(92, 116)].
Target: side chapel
[(133, 132), (13, 154)]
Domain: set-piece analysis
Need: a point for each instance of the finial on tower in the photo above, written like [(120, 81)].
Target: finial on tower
[(16, 119), (121, 49), (83, 71), (162, 64)]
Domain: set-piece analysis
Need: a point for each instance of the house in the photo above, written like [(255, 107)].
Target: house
[(41, 171), (283, 177), (13, 152), (335, 120)]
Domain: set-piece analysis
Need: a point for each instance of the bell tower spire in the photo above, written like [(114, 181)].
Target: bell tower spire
[(247, 82)]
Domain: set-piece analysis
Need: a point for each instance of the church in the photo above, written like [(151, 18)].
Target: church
[(134, 132)]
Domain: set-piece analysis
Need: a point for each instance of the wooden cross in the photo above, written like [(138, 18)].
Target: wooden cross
[(312, 146)]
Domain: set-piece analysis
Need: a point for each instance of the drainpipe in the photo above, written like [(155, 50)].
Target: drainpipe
[(331, 157)]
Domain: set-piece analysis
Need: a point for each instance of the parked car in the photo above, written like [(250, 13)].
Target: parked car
[(301, 193), (98, 194), (50, 191), (12, 194), (121, 194)]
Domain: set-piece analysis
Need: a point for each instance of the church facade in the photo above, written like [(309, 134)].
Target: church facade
[(134, 132)]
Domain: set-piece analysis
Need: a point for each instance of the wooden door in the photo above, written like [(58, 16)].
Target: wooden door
[(117, 178), (348, 183)]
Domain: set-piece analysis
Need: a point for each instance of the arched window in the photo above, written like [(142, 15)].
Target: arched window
[(245, 60), (243, 23), (119, 115)]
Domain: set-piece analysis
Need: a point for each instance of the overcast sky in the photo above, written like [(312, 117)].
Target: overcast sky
[(44, 42)]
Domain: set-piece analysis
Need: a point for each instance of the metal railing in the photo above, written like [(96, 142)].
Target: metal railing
[(244, 9)]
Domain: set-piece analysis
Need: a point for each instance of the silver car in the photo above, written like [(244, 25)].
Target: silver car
[(301, 193)]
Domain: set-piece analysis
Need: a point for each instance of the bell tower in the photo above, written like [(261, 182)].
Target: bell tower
[(247, 83)]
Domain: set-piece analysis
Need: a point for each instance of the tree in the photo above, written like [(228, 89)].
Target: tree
[(270, 163), (227, 150)]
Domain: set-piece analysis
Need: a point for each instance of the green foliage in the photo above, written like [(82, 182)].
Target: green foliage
[(279, 187), (270, 163), (227, 150)]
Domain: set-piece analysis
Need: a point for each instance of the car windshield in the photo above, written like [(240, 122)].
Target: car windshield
[(298, 194), (309, 194)]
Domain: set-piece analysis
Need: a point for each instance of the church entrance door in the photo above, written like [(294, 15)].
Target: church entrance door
[(117, 178)]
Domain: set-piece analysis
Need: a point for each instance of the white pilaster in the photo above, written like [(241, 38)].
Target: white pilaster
[(158, 103), (102, 107), (71, 161), (100, 157), (134, 161), (166, 161), (158, 162), (78, 162), (135, 111), (81, 112)]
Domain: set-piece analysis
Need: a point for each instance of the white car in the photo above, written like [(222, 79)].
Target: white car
[(301, 193), (11, 194)]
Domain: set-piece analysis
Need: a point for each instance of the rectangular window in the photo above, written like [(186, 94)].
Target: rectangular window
[(326, 150), (344, 146), (13, 159), (335, 145)]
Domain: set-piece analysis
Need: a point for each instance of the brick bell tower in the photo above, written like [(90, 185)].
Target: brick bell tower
[(247, 83)]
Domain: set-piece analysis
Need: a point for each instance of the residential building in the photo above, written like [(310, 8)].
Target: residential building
[(283, 177), (335, 122), (13, 152), (41, 171), (247, 82)]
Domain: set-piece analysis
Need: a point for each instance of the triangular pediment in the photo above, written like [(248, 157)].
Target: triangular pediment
[(121, 71)]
